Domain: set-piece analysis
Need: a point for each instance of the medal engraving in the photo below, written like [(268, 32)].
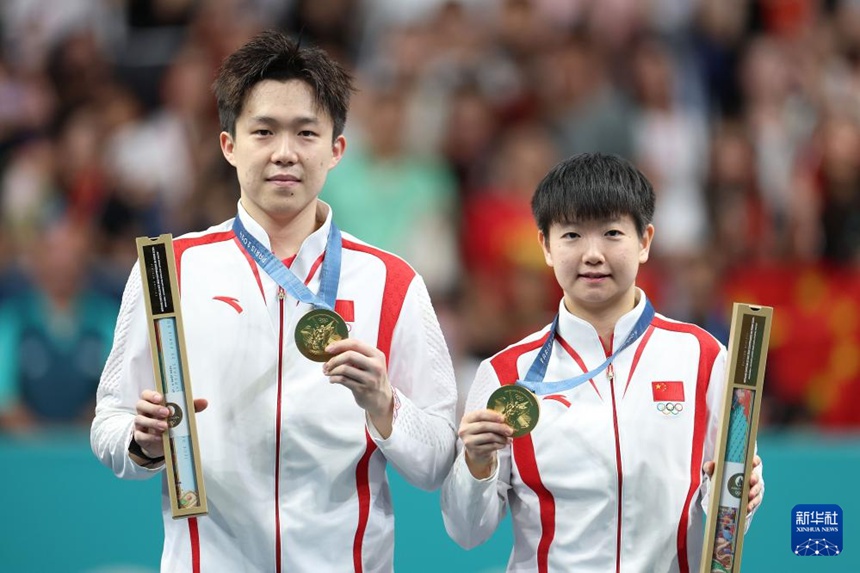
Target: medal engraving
[(519, 407), (316, 330)]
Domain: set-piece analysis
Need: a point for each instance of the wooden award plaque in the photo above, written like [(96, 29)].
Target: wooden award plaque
[(170, 365), (734, 452)]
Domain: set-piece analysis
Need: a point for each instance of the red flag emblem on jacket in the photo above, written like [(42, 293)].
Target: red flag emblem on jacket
[(667, 391)]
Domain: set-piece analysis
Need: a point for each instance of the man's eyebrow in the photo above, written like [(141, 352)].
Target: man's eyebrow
[(297, 121)]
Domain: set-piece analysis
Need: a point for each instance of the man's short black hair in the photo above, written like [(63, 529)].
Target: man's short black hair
[(271, 55), (593, 186)]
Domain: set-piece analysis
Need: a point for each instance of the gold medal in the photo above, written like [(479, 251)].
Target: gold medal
[(518, 405), (316, 330)]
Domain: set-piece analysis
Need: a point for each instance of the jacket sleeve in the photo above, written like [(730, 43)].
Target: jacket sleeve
[(422, 442), (473, 508), (715, 397), (127, 373)]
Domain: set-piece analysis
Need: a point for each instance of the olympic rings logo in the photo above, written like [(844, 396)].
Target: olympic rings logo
[(670, 408)]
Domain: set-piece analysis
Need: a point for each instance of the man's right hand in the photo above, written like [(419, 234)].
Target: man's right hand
[(150, 423), (484, 433)]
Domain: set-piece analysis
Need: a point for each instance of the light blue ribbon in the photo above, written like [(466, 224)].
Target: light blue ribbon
[(281, 274), (534, 377)]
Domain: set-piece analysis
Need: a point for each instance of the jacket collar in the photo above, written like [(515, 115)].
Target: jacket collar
[(581, 335), (312, 247)]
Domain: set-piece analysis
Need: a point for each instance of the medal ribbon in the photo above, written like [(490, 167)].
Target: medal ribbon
[(281, 274), (534, 377)]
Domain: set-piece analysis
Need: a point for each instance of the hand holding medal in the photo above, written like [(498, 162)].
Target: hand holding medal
[(512, 412), (322, 335), (483, 433), (361, 368)]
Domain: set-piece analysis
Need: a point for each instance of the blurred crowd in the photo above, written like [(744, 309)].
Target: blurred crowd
[(745, 114)]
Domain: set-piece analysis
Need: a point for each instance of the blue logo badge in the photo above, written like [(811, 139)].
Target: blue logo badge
[(816, 530)]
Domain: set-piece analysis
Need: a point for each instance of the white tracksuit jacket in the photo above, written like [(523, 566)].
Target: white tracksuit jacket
[(606, 481), (294, 472)]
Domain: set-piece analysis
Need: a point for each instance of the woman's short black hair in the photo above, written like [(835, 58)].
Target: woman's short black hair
[(593, 186)]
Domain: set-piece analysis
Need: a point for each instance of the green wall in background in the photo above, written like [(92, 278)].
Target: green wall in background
[(63, 512)]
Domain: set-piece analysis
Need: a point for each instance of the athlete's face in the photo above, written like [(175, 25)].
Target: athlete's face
[(596, 263), (282, 150)]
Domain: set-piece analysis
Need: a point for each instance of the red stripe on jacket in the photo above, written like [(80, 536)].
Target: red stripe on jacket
[(505, 366), (362, 486), (398, 277), (179, 248), (709, 349), (182, 245)]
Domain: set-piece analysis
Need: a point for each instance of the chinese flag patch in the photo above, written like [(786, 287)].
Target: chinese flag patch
[(667, 391), (346, 309)]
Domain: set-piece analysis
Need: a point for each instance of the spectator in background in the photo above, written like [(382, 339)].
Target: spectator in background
[(507, 287), (826, 201), (741, 227), (780, 119), (155, 159), (579, 100), (470, 136), (671, 146), (54, 336), (840, 189), (400, 201), (28, 104), (32, 29), (331, 24), (718, 35), (28, 188)]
